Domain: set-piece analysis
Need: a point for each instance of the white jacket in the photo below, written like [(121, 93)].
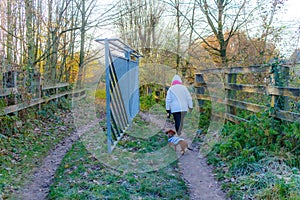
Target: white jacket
[(178, 97)]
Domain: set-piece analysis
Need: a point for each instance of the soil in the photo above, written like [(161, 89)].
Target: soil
[(193, 166), (42, 177), (197, 174), (199, 177)]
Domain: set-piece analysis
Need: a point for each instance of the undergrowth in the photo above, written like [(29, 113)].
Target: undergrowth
[(26, 138), (259, 159)]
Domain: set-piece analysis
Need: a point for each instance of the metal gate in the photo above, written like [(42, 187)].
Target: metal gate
[(122, 88)]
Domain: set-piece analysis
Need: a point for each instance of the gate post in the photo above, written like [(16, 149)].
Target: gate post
[(107, 87)]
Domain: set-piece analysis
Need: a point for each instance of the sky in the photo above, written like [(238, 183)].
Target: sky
[(291, 18), (293, 10)]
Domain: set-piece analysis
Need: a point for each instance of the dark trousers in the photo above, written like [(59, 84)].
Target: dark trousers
[(178, 118)]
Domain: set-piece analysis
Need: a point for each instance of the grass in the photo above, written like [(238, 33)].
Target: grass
[(81, 176), (100, 93)]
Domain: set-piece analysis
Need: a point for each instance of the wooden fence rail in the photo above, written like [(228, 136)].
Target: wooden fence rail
[(270, 88), (259, 89), (43, 95)]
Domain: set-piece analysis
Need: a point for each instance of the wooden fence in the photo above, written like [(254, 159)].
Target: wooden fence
[(273, 87), (43, 94)]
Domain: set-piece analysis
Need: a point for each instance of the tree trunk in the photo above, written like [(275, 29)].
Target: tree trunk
[(9, 40), (178, 35), (30, 43), (82, 43)]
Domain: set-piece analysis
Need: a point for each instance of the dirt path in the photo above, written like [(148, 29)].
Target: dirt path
[(199, 177), (195, 171), (38, 186)]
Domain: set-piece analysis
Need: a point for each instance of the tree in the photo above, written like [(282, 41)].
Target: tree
[(30, 33), (265, 15), (178, 27), (85, 8), (181, 11), (241, 50), (46, 36), (137, 23), (220, 19)]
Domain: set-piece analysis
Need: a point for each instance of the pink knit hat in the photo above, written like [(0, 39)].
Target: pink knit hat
[(176, 80)]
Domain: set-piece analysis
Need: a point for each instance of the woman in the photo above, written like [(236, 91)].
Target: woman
[(178, 102)]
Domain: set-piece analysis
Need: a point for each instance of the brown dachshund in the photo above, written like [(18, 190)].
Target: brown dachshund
[(174, 140)]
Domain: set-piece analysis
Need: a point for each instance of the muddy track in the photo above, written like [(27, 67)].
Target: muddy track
[(40, 180), (195, 171)]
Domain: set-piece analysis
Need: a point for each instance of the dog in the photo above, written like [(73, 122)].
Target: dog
[(174, 140)]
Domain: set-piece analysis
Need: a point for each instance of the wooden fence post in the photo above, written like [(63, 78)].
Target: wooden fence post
[(230, 94), (280, 76), (15, 86), (39, 89), (56, 93), (200, 90)]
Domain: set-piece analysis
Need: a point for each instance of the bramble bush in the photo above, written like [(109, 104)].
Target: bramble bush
[(258, 158)]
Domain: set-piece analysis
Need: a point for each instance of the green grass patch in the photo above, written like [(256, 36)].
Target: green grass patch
[(81, 176), (100, 93)]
